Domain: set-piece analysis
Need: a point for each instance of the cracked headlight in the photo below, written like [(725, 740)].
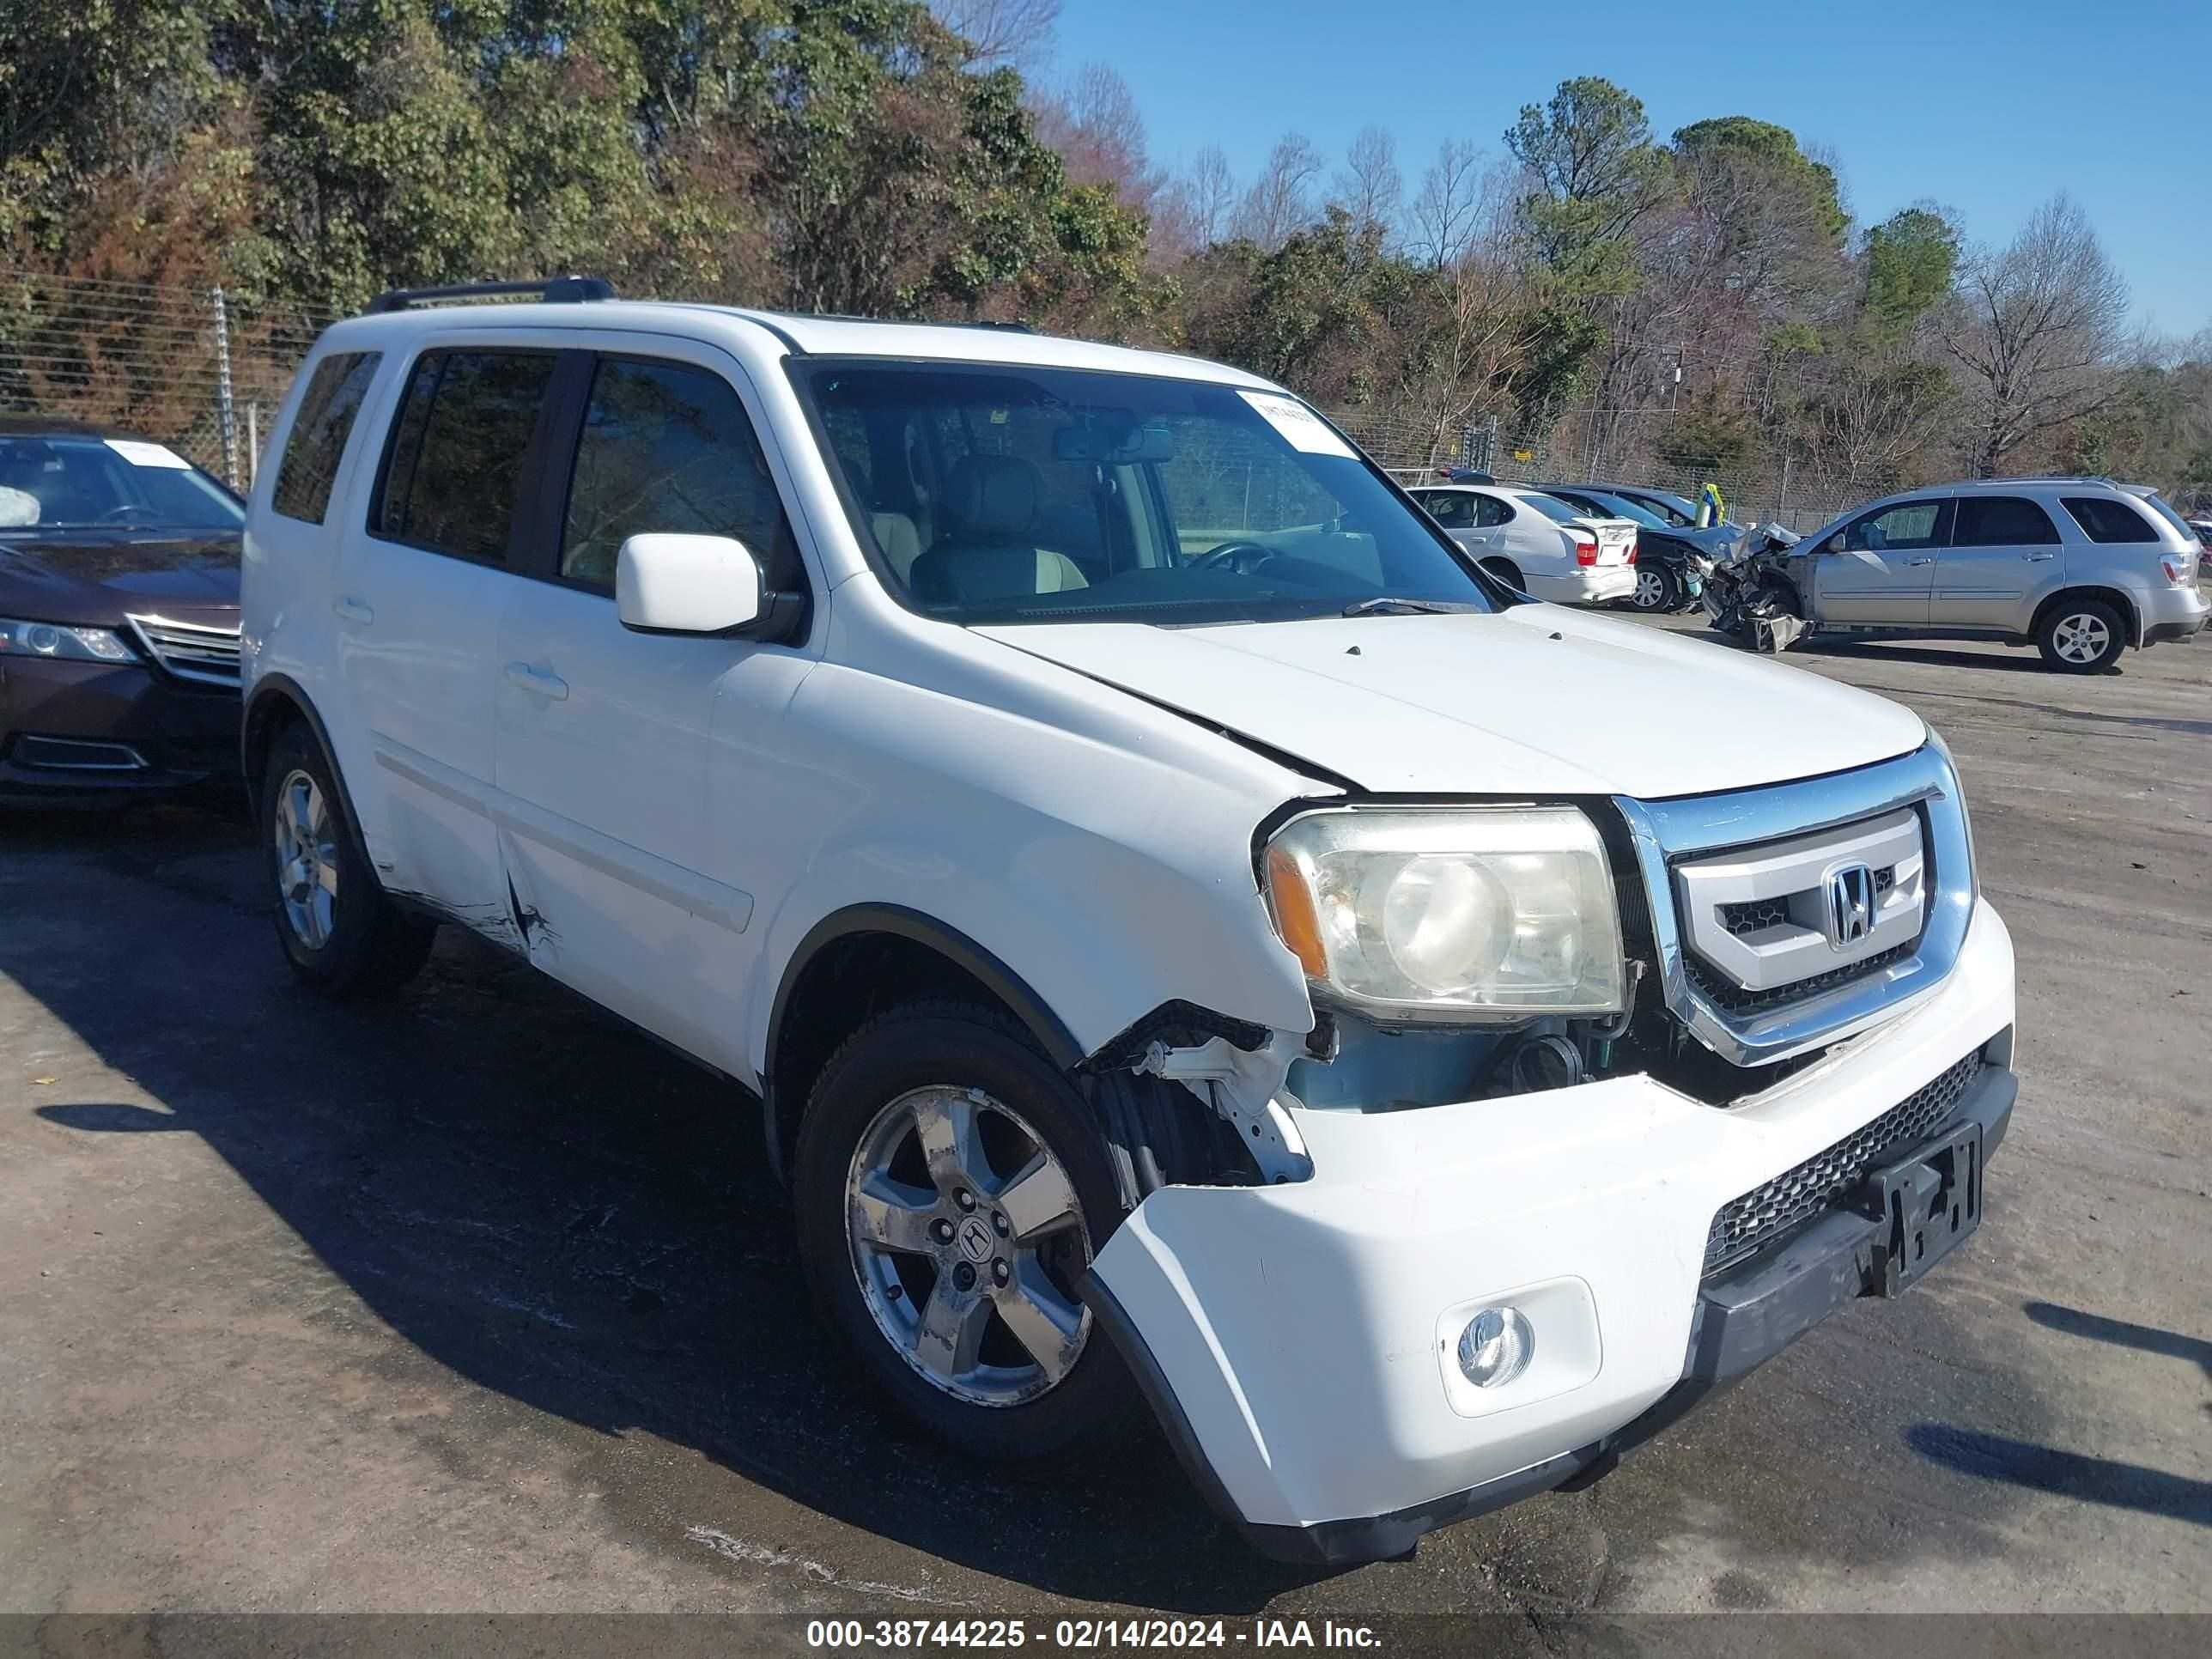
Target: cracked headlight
[(1447, 914), (58, 640)]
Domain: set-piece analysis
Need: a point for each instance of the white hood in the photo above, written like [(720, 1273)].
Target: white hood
[(1534, 700)]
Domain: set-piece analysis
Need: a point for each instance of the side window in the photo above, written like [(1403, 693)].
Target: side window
[(1452, 510), (1908, 525), (1491, 510), (665, 446), (2103, 519), (319, 431), (2002, 521), (457, 450)]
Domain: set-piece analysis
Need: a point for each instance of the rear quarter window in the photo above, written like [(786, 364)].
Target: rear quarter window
[(317, 439), (2105, 519)]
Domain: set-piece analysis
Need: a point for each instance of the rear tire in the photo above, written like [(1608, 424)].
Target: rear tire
[(1658, 591), (338, 929), (2082, 636), (952, 1191), (1507, 572)]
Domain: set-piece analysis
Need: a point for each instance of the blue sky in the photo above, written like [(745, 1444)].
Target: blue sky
[(1987, 108)]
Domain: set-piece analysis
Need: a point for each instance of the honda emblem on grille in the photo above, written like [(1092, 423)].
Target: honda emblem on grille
[(1851, 904)]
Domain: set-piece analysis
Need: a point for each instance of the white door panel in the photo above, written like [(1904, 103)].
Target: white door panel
[(413, 631), (604, 807)]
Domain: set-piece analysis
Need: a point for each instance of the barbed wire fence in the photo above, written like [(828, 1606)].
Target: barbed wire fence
[(198, 369)]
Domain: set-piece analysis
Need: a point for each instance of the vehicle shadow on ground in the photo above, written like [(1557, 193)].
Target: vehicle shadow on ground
[(2063, 1473), (2014, 661), (2150, 1339), (532, 1195)]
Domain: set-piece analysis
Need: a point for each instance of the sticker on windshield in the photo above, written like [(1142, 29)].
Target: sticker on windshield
[(1298, 424), (146, 454)]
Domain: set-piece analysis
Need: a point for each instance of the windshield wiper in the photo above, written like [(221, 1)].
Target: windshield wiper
[(1387, 606)]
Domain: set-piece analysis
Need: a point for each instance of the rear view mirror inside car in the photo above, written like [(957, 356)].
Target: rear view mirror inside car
[(1112, 441)]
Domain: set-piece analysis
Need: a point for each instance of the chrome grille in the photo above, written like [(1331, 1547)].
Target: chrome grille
[(190, 651), (1743, 1226), (1757, 917), (1795, 986)]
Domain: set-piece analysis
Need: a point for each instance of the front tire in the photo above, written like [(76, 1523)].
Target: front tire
[(2082, 636), (338, 929), (951, 1191)]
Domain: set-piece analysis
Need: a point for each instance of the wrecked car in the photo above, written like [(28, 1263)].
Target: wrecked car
[(1202, 947)]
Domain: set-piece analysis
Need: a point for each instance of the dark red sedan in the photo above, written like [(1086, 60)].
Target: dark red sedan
[(119, 616)]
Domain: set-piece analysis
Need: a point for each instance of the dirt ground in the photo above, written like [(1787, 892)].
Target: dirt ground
[(478, 1301)]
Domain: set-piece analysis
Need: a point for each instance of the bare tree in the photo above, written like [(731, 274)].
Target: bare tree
[(1280, 204), (1192, 213), (1100, 135), (1446, 213), (1015, 32), (1368, 186), (2039, 328)]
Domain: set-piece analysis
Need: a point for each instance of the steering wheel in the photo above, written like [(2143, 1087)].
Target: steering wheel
[(1235, 553), (126, 513)]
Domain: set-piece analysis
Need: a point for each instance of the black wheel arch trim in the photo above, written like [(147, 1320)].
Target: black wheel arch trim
[(899, 920), (284, 689)]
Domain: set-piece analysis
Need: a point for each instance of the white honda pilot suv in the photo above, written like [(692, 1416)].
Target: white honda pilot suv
[(1201, 946)]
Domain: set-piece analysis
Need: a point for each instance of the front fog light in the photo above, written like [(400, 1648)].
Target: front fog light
[(1496, 1347)]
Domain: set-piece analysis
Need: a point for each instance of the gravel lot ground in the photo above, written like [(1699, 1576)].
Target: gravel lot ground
[(479, 1302)]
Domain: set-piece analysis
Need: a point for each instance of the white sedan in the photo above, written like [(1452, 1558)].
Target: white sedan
[(1538, 544)]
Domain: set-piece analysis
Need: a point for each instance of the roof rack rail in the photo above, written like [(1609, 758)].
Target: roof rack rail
[(554, 290)]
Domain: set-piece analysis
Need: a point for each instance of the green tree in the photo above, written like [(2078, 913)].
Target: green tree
[(1909, 260)]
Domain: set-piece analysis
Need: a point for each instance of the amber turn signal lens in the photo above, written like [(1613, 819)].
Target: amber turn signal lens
[(1292, 904)]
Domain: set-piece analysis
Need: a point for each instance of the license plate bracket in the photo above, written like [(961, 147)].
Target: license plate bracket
[(1930, 1202)]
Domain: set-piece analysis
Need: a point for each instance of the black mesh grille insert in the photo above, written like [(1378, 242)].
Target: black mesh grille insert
[(1752, 915), (1795, 1196), (1723, 993)]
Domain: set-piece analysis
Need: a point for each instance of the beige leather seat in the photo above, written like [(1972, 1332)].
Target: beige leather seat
[(900, 541), (989, 551)]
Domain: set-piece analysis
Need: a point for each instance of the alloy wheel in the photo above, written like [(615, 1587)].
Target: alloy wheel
[(307, 859), (968, 1242), (1651, 590), (2081, 638)]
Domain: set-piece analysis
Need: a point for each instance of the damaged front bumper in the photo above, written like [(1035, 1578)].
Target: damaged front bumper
[(1298, 1340)]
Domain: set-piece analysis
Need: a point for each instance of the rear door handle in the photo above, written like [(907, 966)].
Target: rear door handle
[(2037, 558), (1909, 563), (349, 609), (537, 681)]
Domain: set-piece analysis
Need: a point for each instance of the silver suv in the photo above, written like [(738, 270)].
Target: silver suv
[(2080, 568)]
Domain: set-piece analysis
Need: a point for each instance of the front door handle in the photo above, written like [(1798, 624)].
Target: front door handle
[(347, 608), (2037, 558), (537, 682), (1909, 563)]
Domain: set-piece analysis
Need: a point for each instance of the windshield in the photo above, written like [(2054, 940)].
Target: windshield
[(1552, 509), (1000, 494), (1678, 511), (67, 481)]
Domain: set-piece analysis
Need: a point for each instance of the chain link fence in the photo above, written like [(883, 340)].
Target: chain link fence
[(203, 371), (1760, 484), (198, 369)]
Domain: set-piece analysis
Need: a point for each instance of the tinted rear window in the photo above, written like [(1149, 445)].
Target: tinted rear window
[(2103, 520), (318, 437), (2002, 521), (457, 451)]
